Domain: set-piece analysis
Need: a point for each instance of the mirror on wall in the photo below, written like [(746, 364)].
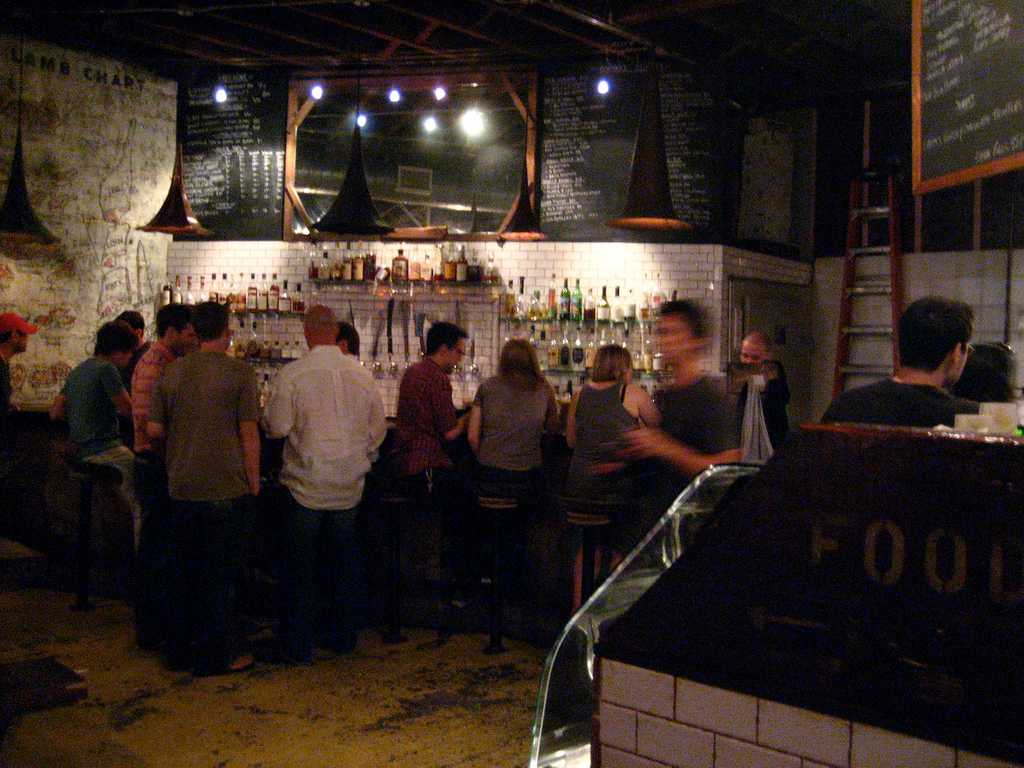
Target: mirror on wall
[(437, 151)]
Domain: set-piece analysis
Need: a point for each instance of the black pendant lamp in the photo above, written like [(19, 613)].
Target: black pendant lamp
[(175, 216), (19, 224), (649, 198), (521, 224), (352, 212)]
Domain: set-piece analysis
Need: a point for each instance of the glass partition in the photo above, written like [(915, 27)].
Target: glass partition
[(561, 726)]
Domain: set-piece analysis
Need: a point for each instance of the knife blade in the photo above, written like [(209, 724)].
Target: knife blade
[(420, 320), (379, 326), (391, 315), (351, 314), (404, 320)]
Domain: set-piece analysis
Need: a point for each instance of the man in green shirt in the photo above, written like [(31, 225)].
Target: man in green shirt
[(203, 414), (91, 400)]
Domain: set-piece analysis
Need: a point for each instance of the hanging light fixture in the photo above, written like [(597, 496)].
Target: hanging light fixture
[(649, 198), (352, 212), (521, 223), (19, 224), (175, 216)]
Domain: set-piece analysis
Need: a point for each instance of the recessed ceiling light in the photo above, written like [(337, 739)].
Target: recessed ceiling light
[(220, 94), (394, 95), (361, 120), (603, 86), (430, 124), (440, 93), (317, 92)]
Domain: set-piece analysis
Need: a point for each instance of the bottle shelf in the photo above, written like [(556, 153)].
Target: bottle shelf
[(268, 313), (561, 371), (520, 321), (409, 287), (269, 361)]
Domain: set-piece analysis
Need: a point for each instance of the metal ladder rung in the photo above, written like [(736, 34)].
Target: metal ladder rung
[(872, 370), (868, 330), (872, 250), (872, 212)]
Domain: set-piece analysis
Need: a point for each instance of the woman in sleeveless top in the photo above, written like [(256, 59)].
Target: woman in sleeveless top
[(608, 405)]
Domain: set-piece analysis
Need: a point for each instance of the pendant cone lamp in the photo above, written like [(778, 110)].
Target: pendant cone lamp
[(352, 212), (175, 216), (649, 198), (521, 223), (19, 224)]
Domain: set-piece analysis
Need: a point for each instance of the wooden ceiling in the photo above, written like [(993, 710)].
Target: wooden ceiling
[(760, 53)]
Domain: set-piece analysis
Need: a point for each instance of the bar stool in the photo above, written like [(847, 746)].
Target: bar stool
[(396, 497), (593, 518), (495, 506), (88, 474)]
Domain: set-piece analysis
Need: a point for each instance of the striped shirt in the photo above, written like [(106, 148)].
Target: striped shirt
[(147, 373)]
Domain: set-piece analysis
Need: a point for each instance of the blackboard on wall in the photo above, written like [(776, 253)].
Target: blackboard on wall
[(968, 103), (234, 153), (587, 147)]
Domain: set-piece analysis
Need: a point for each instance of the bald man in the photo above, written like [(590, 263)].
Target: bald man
[(330, 410), (757, 351)]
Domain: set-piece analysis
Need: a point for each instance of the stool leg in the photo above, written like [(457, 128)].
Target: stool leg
[(394, 633), (84, 547), (589, 548), (497, 595)]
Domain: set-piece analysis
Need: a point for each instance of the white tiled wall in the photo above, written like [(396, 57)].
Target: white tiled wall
[(692, 271), (647, 719)]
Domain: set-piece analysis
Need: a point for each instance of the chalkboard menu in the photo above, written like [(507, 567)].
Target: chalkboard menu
[(587, 144), (968, 104), (234, 153)]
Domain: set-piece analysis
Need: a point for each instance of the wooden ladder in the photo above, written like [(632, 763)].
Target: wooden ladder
[(865, 278)]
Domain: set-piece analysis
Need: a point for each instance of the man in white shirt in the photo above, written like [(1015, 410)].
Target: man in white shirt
[(332, 413)]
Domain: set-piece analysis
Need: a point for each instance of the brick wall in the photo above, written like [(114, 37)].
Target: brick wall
[(647, 719)]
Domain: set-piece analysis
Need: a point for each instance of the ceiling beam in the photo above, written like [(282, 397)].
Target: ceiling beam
[(262, 55), (280, 34), (659, 10), (375, 33), (461, 29), (517, 13)]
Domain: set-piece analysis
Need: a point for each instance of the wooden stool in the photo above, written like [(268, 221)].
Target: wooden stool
[(592, 518), (495, 506), (396, 499), (88, 474)]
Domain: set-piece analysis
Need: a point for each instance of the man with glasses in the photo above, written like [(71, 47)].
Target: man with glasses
[(933, 346), (427, 427)]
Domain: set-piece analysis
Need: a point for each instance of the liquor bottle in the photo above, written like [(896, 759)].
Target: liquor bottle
[(648, 352), (604, 309), (493, 273), (565, 302), (400, 266), (274, 295), (285, 301), (252, 349), (276, 351), (264, 394), (535, 312), (252, 294), (189, 296), (451, 269), (539, 346), (579, 353), (565, 352), (370, 266), (657, 295), (630, 312), (336, 266), (209, 294), (415, 270), (577, 303), (346, 268), (474, 273), (589, 307), (225, 290), (554, 349), (313, 273), (552, 304), (357, 267), (509, 301), (428, 270), (263, 296), (618, 310), (165, 295), (298, 302), (462, 266), (522, 308), (241, 295), (324, 272), (591, 351), (176, 297)]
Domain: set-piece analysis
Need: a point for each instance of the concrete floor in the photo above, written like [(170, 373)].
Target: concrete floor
[(415, 704)]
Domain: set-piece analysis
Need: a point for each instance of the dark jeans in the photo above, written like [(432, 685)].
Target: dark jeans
[(153, 565), (327, 536), (206, 558), (509, 528)]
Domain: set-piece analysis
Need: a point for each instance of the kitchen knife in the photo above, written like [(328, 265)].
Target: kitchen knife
[(391, 315)]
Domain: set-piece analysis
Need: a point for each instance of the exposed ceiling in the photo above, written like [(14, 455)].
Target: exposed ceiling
[(761, 53)]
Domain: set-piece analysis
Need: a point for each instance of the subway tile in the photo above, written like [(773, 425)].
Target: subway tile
[(730, 753), (614, 758), (674, 743), (618, 726), (873, 747), (806, 733), (965, 759), (638, 688), (716, 709)]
